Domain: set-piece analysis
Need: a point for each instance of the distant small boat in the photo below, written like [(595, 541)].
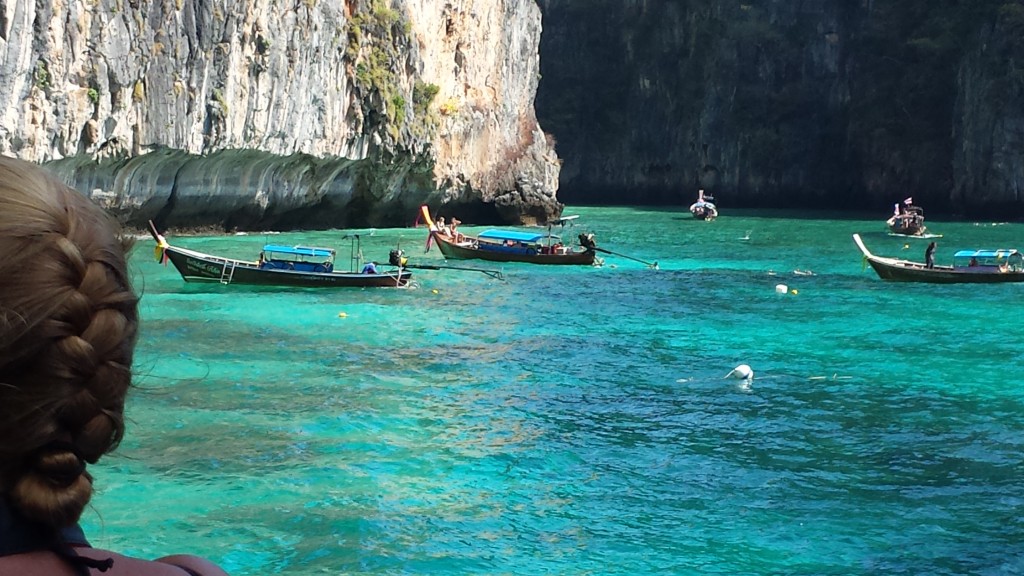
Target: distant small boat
[(907, 219), (969, 267), (278, 265), (704, 208), (510, 245)]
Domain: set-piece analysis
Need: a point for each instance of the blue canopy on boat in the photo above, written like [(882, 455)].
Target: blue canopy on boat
[(307, 251), (1004, 253), (501, 235), (1006, 259)]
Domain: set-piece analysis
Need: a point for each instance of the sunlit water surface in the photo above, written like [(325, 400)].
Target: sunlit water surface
[(576, 420)]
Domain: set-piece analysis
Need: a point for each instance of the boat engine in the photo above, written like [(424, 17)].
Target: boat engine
[(397, 258), (587, 241)]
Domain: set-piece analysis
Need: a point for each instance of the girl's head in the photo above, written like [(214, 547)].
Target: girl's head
[(68, 321)]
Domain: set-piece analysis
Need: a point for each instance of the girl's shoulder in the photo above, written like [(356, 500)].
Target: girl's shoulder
[(176, 565), (193, 565), (47, 563)]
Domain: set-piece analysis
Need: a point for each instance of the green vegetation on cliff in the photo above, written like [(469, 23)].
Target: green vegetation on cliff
[(375, 43)]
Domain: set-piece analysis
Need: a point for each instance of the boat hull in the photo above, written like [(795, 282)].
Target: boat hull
[(701, 214), (908, 224), (916, 272), (452, 250), (198, 267), (895, 270), (907, 230)]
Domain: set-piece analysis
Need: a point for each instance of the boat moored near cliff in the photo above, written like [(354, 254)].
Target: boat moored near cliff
[(907, 219), (704, 208), (969, 267), (297, 266), (509, 245)]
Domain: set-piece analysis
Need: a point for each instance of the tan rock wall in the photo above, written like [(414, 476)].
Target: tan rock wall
[(111, 81)]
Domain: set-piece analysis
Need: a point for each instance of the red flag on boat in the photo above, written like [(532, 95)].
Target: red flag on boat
[(908, 201)]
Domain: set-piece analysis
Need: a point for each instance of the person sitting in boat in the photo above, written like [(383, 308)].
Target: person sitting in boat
[(456, 235), (370, 268), (440, 226)]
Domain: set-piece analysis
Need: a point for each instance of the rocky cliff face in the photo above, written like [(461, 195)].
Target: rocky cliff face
[(281, 114), (823, 103), (988, 127), (745, 100)]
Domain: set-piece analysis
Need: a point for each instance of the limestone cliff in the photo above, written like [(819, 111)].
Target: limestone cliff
[(741, 99), (282, 113), (824, 103), (988, 129)]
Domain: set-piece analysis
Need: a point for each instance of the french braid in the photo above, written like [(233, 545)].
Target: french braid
[(68, 321)]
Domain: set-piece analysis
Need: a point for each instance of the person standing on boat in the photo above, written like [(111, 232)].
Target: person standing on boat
[(929, 255)]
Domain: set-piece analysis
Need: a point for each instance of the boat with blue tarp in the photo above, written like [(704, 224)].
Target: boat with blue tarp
[(989, 260), (510, 245), (301, 258), (279, 265), (969, 267)]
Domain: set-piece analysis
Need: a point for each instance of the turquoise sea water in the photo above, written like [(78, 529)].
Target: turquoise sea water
[(577, 420)]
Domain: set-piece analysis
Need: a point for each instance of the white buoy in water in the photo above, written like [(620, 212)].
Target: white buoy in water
[(781, 288), (741, 372)]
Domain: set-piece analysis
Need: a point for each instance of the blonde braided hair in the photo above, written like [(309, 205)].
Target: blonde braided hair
[(68, 322)]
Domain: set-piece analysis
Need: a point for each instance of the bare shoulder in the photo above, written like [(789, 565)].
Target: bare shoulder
[(176, 565), (45, 563), (200, 566)]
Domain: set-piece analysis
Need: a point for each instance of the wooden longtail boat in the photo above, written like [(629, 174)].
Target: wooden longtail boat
[(907, 219), (510, 245), (298, 266), (969, 267), (704, 208)]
